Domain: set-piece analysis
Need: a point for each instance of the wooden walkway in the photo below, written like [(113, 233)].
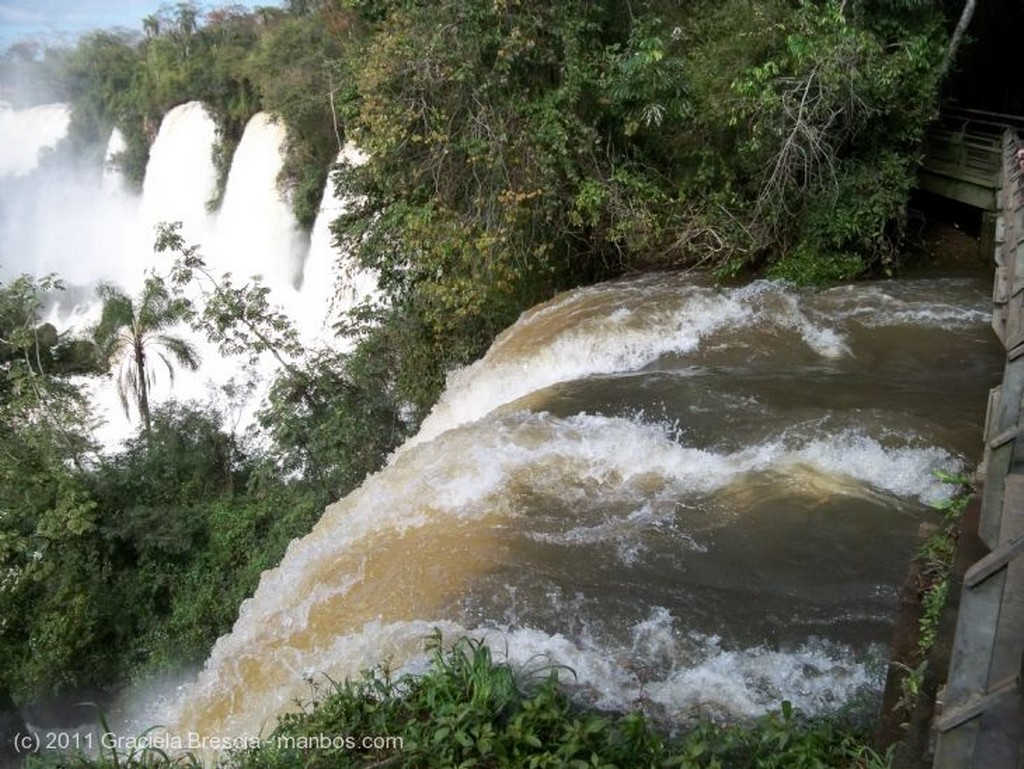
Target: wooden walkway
[(963, 154), (981, 723)]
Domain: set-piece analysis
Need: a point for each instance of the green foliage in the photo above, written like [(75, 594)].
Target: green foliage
[(300, 79), (508, 158), (49, 560), (130, 333), (332, 421), (934, 564), (806, 266), (834, 118), (468, 710)]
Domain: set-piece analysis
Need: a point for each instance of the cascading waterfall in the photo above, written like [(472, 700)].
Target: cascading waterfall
[(327, 282), (695, 497), (256, 231), (113, 179), (105, 233), (27, 133), (180, 177)]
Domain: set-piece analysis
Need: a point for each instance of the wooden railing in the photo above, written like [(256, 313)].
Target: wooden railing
[(963, 156), (981, 723)]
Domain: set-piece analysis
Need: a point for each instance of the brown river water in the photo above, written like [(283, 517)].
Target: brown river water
[(699, 499)]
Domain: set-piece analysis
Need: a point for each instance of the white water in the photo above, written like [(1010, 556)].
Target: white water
[(338, 285), (532, 510), (27, 133), (106, 233), (180, 176), (256, 232), (559, 538)]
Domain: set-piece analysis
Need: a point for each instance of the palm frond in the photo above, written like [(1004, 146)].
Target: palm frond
[(128, 384), (184, 352)]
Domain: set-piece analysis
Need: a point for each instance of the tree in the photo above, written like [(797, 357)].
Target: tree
[(958, 35), (49, 562), (131, 332)]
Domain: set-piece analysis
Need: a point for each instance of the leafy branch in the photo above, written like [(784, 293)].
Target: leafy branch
[(239, 319)]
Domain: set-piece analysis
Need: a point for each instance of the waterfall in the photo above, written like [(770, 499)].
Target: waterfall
[(694, 496), (59, 217), (256, 230), (27, 132), (113, 179), (180, 177), (332, 286), (105, 233)]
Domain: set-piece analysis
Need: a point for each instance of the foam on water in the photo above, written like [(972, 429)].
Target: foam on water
[(356, 565), (933, 303), (670, 674), (600, 330)]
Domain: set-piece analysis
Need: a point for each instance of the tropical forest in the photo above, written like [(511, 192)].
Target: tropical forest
[(479, 383)]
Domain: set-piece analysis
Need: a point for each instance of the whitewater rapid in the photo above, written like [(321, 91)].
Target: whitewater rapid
[(637, 483)]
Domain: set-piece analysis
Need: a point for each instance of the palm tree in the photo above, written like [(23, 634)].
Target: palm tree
[(130, 332)]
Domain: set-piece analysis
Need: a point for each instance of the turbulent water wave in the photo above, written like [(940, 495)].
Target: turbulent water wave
[(933, 303), (457, 496), (602, 329)]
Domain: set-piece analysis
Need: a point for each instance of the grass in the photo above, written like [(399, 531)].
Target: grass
[(934, 568), (468, 710)]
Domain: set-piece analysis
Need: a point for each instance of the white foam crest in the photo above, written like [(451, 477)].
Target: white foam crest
[(659, 671), (25, 133), (627, 531), (782, 307), (689, 675), (816, 677), (941, 303), (905, 471), (599, 329)]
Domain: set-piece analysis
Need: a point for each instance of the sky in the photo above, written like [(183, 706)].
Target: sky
[(64, 20)]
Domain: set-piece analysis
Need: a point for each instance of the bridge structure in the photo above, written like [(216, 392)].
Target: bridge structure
[(978, 159)]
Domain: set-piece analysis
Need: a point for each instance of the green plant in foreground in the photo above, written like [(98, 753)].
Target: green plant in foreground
[(468, 710), (934, 565)]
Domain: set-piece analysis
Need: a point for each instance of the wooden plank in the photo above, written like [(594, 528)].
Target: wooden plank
[(1003, 438), (997, 466), (1006, 658), (968, 669), (994, 561), (983, 724), (999, 460), (990, 412), (978, 704), (977, 195)]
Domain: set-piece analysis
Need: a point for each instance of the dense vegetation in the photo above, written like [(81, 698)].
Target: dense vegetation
[(515, 148), (468, 710)]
